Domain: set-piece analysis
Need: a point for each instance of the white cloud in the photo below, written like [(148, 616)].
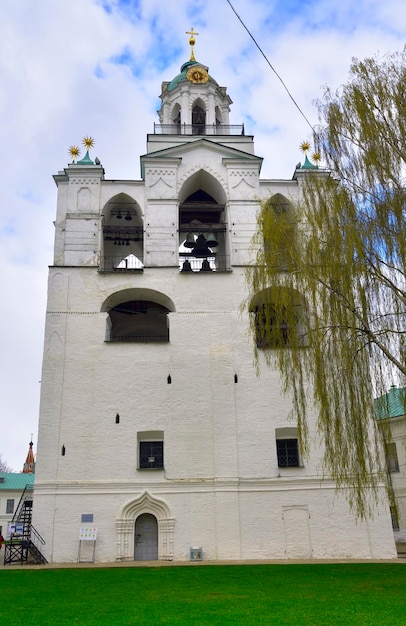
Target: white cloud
[(62, 78)]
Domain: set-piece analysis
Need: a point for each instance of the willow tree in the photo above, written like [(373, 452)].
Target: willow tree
[(329, 274)]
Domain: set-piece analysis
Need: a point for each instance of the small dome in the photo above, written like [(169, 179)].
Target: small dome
[(182, 76)]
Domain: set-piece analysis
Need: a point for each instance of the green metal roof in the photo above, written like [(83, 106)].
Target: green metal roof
[(308, 165), (86, 160), (391, 404), (182, 76), (15, 482)]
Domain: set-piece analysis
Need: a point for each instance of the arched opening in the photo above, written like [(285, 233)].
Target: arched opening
[(279, 318), (220, 128), (146, 538), (122, 235), (282, 223), (137, 316), (202, 225), (219, 116), (198, 119), (176, 118)]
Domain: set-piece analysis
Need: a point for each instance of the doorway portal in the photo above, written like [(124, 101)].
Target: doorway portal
[(146, 538)]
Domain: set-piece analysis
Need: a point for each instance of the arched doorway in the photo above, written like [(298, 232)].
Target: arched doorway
[(145, 510), (146, 538)]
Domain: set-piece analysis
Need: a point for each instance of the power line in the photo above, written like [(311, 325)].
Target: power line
[(271, 66)]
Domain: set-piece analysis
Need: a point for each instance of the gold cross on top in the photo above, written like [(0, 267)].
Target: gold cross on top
[(192, 41)]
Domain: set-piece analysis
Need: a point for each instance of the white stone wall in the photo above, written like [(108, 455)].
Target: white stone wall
[(221, 481), (229, 521)]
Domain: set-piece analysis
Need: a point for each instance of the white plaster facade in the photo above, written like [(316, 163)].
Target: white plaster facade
[(390, 412), (103, 393)]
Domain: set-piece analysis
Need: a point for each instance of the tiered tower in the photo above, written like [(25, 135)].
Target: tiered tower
[(154, 429)]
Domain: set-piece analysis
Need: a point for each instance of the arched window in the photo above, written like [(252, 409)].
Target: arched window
[(122, 235), (198, 120), (202, 227), (279, 232), (176, 118), (278, 318), (139, 321)]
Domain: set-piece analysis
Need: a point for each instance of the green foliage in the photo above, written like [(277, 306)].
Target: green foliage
[(208, 594), (342, 247)]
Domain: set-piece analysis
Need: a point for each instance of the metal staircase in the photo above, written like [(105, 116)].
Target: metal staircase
[(25, 544)]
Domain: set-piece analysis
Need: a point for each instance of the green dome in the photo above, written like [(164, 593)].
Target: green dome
[(182, 76)]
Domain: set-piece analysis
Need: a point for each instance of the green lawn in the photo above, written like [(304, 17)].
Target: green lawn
[(317, 594)]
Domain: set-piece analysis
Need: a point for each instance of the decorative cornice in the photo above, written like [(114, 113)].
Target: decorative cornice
[(243, 173), (84, 181), (159, 171)]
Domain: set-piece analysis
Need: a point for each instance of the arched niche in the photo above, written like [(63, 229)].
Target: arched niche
[(125, 526), (202, 224), (123, 234)]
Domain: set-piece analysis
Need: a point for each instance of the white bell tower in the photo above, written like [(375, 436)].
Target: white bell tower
[(154, 428)]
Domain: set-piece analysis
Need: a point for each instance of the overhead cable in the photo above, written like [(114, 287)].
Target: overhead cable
[(271, 66)]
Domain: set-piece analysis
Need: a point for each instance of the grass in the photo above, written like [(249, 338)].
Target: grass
[(311, 594)]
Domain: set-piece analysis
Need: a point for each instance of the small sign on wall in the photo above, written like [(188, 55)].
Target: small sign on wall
[(87, 533), (15, 529)]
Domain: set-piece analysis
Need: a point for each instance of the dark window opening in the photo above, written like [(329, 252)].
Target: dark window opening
[(151, 455), (10, 506), (288, 452), (198, 120), (202, 234), (391, 455), (272, 328), (138, 321), (394, 518), (123, 235)]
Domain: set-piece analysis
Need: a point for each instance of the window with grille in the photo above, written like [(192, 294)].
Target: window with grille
[(151, 454), (288, 452)]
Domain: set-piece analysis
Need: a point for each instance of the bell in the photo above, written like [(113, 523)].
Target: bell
[(190, 241), (211, 241), (186, 267), (205, 266), (201, 249)]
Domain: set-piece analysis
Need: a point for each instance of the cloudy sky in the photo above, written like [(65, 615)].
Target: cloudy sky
[(95, 67)]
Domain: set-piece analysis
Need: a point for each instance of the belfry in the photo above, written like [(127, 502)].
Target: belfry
[(157, 440)]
